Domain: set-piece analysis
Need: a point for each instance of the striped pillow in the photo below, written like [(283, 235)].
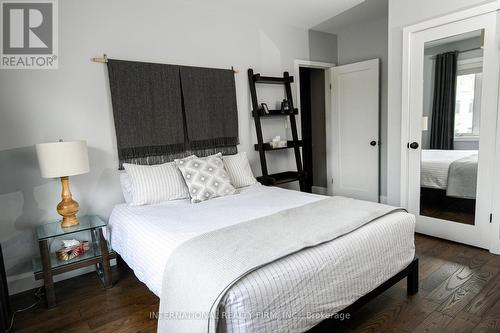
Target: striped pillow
[(239, 170), (156, 183)]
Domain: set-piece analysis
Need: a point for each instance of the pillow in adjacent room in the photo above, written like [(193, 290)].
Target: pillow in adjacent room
[(205, 177), (153, 184), (126, 185), (239, 170)]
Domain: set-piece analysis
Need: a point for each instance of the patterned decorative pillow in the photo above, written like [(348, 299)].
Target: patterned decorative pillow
[(205, 177)]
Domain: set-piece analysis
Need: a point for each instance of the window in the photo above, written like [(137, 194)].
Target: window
[(468, 103)]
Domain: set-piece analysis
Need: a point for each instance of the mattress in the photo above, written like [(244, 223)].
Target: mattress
[(292, 294), (435, 167)]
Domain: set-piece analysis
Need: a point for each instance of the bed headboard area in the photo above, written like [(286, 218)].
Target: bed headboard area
[(162, 112)]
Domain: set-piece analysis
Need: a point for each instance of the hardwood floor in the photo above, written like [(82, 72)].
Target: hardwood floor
[(459, 292)]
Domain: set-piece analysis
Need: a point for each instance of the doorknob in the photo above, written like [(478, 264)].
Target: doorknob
[(413, 145), (373, 143)]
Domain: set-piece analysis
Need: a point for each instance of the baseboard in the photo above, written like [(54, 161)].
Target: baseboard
[(319, 190), (26, 281), (383, 199)]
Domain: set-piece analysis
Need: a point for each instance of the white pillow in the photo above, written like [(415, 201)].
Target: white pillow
[(126, 184), (239, 170), (153, 184)]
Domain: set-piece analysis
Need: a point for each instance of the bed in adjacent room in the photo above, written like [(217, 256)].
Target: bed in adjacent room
[(454, 171), (299, 289)]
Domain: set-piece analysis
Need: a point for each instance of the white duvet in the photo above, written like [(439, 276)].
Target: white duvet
[(325, 278)]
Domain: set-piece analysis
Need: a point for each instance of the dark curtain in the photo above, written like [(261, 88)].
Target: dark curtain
[(162, 112), (209, 96), (147, 111), (443, 106)]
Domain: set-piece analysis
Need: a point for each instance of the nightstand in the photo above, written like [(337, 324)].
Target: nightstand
[(99, 254)]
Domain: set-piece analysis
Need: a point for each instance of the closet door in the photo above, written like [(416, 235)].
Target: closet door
[(454, 73), (353, 155)]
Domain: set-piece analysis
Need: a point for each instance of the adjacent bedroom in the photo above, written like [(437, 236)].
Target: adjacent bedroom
[(190, 166)]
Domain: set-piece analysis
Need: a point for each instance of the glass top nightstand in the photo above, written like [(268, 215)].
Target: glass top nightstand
[(52, 230), (99, 253)]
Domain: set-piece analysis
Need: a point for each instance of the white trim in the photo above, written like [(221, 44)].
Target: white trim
[(383, 199), (405, 106), (311, 64), (319, 190)]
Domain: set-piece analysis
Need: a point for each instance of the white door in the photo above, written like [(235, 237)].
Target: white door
[(440, 191), (353, 153)]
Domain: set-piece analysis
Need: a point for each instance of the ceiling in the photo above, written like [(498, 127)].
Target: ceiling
[(299, 13), (366, 11)]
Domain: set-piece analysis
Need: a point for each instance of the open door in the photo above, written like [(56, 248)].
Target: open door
[(353, 156)]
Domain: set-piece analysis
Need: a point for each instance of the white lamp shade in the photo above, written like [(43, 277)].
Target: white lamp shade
[(62, 159)]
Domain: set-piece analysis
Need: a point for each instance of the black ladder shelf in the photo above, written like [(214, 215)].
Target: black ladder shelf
[(261, 147)]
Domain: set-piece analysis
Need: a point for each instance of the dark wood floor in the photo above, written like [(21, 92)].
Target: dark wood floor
[(459, 292)]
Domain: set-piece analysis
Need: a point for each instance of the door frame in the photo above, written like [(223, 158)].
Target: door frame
[(328, 110), (408, 35)]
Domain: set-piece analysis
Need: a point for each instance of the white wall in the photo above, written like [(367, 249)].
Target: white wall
[(363, 41), (73, 102), (403, 13)]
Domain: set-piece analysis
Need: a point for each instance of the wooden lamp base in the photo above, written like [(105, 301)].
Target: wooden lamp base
[(68, 207)]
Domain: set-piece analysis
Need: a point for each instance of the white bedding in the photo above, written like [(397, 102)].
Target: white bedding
[(436, 164), (324, 278)]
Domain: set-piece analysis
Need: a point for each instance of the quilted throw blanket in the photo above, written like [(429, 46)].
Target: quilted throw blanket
[(462, 178), (201, 270)]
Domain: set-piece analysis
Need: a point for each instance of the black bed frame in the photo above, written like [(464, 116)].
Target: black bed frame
[(410, 272), (411, 275)]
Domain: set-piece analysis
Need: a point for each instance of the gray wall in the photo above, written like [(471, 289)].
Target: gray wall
[(363, 41), (73, 102), (404, 13), (429, 71), (322, 46)]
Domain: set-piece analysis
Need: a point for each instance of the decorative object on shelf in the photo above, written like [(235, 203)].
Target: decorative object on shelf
[(72, 249), (265, 108), (285, 106), (276, 142), (63, 159)]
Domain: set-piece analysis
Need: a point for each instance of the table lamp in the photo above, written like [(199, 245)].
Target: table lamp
[(61, 160)]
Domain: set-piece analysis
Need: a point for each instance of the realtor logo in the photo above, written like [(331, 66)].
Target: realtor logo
[(29, 34)]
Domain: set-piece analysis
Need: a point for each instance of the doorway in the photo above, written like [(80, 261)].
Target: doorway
[(312, 115)]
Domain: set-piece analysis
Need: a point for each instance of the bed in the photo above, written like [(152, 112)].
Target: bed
[(291, 294), (454, 171)]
